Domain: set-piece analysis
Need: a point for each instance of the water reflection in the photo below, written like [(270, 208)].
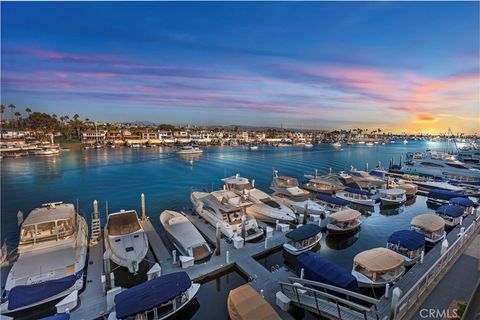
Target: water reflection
[(341, 241), (190, 158), (390, 211)]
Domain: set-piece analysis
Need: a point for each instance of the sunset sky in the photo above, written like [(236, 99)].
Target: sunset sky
[(402, 66)]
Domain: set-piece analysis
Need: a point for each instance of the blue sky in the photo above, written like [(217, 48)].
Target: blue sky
[(398, 66)]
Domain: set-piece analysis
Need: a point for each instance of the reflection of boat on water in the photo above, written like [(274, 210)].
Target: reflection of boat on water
[(190, 157), (245, 303), (341, 241), (125, 239), (184, 235), (390, 211)]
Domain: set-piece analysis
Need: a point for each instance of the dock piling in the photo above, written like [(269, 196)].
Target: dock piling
[(174, 255), (305, 214), (387, 289), (218, 236), (444, 247), (95, 209), (266, 243), (144, 216), (422, 255), (302, 273), (228, 257), (261, 293)]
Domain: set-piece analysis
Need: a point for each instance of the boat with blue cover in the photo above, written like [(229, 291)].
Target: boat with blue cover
[(158, 298), (332, 204), (302, 239), (408, 243), (51, 258), (467, 204), (357, 196), (439, 196), (320, 269), (451, 214)]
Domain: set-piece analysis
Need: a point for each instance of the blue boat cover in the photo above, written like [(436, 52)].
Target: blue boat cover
[(377, 173), (358, 191), (60, 316), (464, 202), (320, 269), (304, 232), (409, 239), (445, 194), (333, 200), (151, 294), (24, 295), (451, 210)]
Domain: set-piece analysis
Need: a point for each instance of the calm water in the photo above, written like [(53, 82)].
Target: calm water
[(119, 176)]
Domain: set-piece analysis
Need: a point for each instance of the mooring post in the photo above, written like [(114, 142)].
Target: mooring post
[(174, 255), (422, 255), (302, 273), (243, 226), (228, 257), (396, 294), (218, 235), (276, 225), (261, 293), (95, 209), (461, 220), (106, 262), (387, 289), (444, 247), (144, 216), (305, 214), (266, 244)]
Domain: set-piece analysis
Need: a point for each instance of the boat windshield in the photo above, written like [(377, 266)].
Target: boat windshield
[(287, 182), (122, 224), (47, 231), (240, 186)]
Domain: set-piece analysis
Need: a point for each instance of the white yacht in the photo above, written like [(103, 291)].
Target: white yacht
[(184, 236), (228, 216), (47, 152), (287, 191), (264, 208), (125, 239), (189, 150), (357, 196), (51, 258), (328, 184), (393, 197), (441, 165), (336, 144), (361, 179)]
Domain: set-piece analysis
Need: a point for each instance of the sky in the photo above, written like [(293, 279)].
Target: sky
[(397, 66)]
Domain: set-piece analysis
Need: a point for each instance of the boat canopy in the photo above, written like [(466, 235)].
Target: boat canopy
[(304, 232), (64, 211), (379, 260), (318, 268), (377, 173), (332, 200), (358, 191), (345, 215), (445, 194), (59, 316), (450, 210), (24, 295), (151, 294), (428, 222), (245, 303), (464, 202), (409, 239)]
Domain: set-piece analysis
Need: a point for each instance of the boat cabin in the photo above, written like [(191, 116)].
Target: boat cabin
[(408, 243), (302, 238), (332, 203), (344, 221), (230, 213), (237, 184), (430, 225), (452, 214), (466, 203), (123, 223), (378, 266), (53, 222)]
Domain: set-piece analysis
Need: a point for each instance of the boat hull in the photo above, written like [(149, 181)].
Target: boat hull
[(294, 251)]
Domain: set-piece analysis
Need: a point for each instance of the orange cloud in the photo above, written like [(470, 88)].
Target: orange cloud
[(423, 119)]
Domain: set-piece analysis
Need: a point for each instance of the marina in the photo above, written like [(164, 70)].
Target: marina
[(245, 258)]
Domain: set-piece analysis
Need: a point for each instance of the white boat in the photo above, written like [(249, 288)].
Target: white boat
[(408, 243), (159, 298), (264, 207), (361, 142), (393, 197), (231, 219), (125, 239), (336, 144), (47, 152), (189, 150), (328, 184), (287, 191), (405, 141), (369, 144), (376, 267), (302, 239), (361, 179), (431, 226), (344, 221), (253, 147), (184, 236), (308, 145), (51, 258), (357, 196)]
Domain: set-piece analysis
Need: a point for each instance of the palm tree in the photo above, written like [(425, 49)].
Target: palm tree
[(76, 116), (11, 106), (29, 111), (17, 115), (54, 116), (2, 110)]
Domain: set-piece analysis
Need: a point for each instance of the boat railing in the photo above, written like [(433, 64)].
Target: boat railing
[(322, 298), (407, 300)]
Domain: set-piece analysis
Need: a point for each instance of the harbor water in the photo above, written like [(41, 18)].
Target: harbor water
[(119, 176)]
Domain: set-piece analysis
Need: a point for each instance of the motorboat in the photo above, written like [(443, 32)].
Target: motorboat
[(405, 141), (47, 152), (361, 179), (439, 196), (467, 204), (344, 221), (308, 145), (302, 239), (159, 298), (189, 150), (253, 147), (320, 269), (328, 184), (410, 188), (332, 204), (336, 145), (184, 236), (431, 226), (376, 267), (451, 214), (265, 207), (408, 243), (51, 258), (287, 191), (441, 166), (369, 144), (125, 239), (232, 220), (393, 197), (357, 196), (245, 303)]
